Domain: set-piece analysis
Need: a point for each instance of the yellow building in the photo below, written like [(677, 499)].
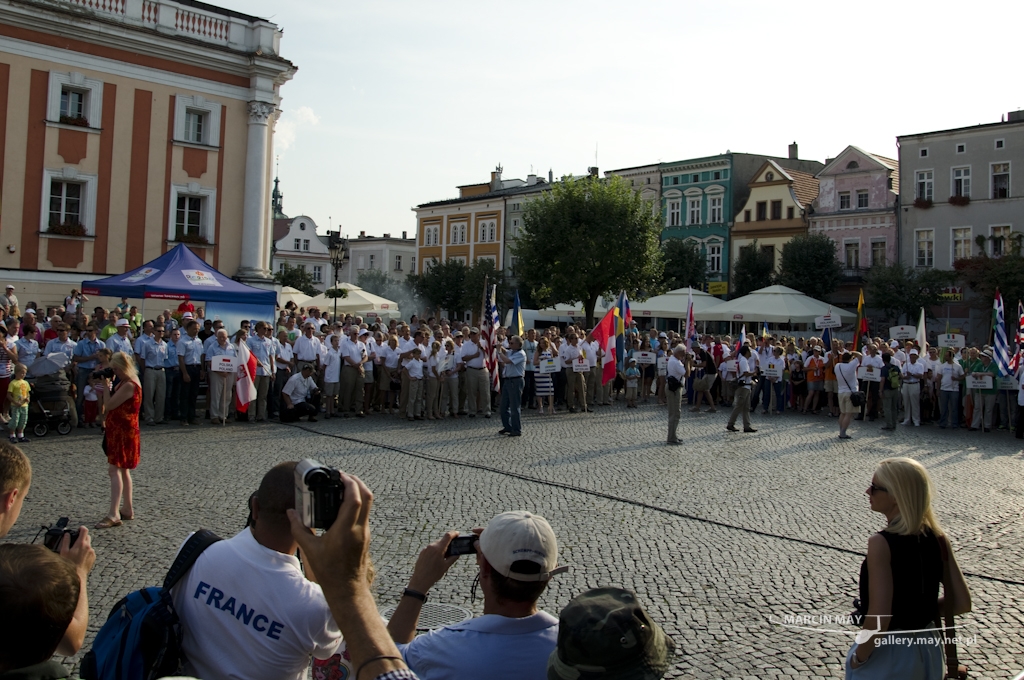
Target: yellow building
[(130, 126), (775, 211)]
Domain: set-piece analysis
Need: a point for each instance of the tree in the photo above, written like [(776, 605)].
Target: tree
[(902, 291), (473, 289), (442, 284), (587, 238), (685, 265), (809, 265), (753, 270), (296, 277), (983, 274), (378, 282)]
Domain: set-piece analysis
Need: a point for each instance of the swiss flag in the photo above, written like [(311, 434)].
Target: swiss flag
[(245, 382)]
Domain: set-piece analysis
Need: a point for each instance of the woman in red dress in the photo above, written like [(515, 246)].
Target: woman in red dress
[(121, 440)]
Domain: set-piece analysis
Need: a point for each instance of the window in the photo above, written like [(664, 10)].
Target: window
[(961, 148), (318, 273), (72, 103), (1000, 180), (789, 212), (675, 180), (398, 263), (923, 153), (648, 180), (695, 178), (770, 252), (715, 209), (852, 249), (925, 239), (301, 267), (515, 206), (458, 233), (961, 237), (74, 99), (372, 257), (280, 267), (852, 165), (412, 266), (769, 177), (693, 211), (362, 262), (298, 244), (844, 200), (762, 211), (862, 199), (673, 213), (961, 181), (746, 215), (878, 252), (188, 220), (776, 210), (1000, 143), (717, 174), (715, 258), (305, 245), (925, 185), (999, 240), (196, 120), (65, 203)]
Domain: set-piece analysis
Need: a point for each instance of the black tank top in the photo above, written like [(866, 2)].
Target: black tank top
[(916, 563)]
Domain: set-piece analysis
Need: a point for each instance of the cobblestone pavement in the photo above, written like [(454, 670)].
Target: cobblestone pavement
[(715, 536)]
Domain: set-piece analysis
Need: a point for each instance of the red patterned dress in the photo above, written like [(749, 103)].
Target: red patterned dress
[(122, 431)]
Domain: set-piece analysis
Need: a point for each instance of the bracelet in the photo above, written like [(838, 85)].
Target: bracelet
[(376, 658), (422, 597)]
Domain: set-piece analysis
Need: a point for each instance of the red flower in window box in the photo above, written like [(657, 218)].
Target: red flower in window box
[(80, 121), (923, 203), (959, 200)]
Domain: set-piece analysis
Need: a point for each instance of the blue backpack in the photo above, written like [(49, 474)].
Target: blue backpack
[(141, 639)]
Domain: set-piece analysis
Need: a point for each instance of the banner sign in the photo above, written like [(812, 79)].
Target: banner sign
[(903, 332), (827, 321), (979, 382), (869, 373), (547, 366), (224, 364), (645, 357), (952, 340)]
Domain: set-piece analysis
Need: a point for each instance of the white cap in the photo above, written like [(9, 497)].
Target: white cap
[(913, 353), (894, 343), (519, 535), (10, 286), (363, 332), (186, 315), (121, 322), (663, 334), (30, 311)]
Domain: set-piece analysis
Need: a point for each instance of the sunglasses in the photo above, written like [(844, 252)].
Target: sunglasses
[(874, 488)]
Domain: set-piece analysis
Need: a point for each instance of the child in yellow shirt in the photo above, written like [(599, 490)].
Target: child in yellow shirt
[(18, 398)]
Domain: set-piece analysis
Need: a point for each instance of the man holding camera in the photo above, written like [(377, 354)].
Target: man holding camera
[(301, 396), (517, 555), (246, 609), (675, 380)]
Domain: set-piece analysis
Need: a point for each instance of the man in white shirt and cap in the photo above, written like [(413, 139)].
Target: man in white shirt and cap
[(676, 378), (119, 342), (517, 555)]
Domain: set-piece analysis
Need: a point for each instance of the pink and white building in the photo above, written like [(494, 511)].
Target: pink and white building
[(857, 208)]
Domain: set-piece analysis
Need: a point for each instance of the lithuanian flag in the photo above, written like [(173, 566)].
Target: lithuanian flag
[(861, 328)]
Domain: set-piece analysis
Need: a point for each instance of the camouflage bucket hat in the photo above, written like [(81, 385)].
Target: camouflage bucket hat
[(604, 634)]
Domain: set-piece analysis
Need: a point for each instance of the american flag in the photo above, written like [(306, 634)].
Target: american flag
[(1015, 360), (489, 337)]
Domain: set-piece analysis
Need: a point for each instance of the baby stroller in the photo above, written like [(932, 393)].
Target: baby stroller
[(51, 403)]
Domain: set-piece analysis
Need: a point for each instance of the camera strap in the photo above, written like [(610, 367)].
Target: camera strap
[(187, 556)]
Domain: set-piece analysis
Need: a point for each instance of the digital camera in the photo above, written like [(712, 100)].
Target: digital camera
[(53, 535), (318, 493), (107, 373)]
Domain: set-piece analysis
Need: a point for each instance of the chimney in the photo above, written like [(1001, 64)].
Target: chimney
[(496, 178), (362, 234), (387, 235), (1015, 116), (793, 153), (531, 179), (592, 170), (551, 176), (404, 234)]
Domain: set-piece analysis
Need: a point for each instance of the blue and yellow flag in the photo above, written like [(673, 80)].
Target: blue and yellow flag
[(517, 317)]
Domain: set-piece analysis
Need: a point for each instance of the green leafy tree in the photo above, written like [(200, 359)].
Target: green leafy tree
[(809, 265), (442, 285), (378, 282), (753, 270), (685, 265), (476, 274), (901, 291), (296, 277), (983, 274), (588, 238)]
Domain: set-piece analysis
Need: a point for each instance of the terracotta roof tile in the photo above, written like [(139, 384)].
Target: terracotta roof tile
[(805, 186), (281, 227)]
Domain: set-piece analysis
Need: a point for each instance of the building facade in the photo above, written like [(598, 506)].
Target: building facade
[(131, 126), (394, 256), (297, 244), (856, 207), (777, 209)]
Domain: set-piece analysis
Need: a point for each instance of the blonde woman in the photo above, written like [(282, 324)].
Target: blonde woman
[(899, 580), (121, 438)]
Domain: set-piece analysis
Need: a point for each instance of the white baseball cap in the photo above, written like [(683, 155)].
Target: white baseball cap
[(363, 332), (913, 353), (186, 315), (517, 536), (894, 343), (122, 322), (30, 311)]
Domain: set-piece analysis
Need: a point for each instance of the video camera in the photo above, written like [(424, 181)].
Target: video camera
[(318, 493), (54, 535), (107, 373)]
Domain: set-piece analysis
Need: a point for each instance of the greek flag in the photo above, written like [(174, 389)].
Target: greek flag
[(1001, 347)]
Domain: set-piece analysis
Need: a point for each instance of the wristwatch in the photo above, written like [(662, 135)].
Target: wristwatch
[(409, 592)]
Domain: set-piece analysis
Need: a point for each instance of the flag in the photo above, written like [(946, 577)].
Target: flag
[(691, 323), (922, 331), (492, 341), (1018, 339), (604, 335), (245, 382), (862, 323), (826, 339), (624, 319), (1002, 351), (743, 338), (517, 317), (764, 330)]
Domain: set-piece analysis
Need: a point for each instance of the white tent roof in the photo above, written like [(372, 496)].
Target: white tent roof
[(672, 305), (774, 304), (358, 300), (289, 294)]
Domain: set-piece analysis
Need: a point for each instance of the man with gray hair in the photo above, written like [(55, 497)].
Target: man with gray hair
[(513, 376), (220, 382)]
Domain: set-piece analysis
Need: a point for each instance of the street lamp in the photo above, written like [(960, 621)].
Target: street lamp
[(337, 251)]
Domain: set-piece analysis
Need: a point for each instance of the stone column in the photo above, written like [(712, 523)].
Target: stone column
[(252, 265)]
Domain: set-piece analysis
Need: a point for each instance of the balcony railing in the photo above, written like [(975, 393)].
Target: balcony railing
[(168, 17), (854, 274)]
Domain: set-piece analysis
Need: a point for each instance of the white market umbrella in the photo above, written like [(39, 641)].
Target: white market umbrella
[(357, 300), (774, 304), (672, 305), (289, 294)]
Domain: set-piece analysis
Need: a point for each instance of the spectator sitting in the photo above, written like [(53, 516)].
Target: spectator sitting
[(300, 396), (39, 593), (517, 554), (246, 609), (604, 634)]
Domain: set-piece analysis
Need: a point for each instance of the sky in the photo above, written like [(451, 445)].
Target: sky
[(396, 103)]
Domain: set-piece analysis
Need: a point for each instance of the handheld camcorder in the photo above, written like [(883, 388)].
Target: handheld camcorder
[(54, 534), (318, 494)]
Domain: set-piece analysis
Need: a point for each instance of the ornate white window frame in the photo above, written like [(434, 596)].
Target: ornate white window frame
[(185, 103), (87, 213), (73, 79), (207, 228)]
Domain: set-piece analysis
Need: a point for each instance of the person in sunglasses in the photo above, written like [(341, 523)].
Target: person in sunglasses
[(899, 580)]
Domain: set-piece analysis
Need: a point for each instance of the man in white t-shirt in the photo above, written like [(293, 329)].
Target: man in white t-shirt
[(246, 609), (846, 384), (873, 361), (913, 374), (950, 373)]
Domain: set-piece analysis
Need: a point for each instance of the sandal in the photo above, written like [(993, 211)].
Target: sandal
[(126, 517), (107, 523)]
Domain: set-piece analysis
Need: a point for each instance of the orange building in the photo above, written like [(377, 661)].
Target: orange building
[(130, 126)]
